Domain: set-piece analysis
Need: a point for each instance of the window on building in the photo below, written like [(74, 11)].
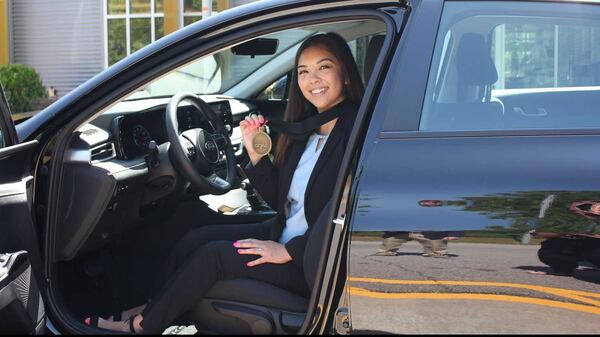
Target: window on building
[(192, 10), (518, 65), (131, 25)]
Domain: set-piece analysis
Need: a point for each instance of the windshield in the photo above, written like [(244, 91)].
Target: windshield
[(218, 72)]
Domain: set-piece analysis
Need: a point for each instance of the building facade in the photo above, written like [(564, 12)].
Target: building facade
[(67, 42)]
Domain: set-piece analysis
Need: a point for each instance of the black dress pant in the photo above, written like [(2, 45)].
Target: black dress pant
[(203, 257), (564, 254)]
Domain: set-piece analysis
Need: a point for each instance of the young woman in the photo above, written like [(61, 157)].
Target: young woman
[(326, 82)]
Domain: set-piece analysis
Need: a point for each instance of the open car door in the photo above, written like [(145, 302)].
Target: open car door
[(21, 304)]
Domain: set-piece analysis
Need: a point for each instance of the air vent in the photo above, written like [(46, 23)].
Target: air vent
[(103, 152)]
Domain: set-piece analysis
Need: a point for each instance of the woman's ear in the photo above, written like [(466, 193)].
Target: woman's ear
[(346, 77)]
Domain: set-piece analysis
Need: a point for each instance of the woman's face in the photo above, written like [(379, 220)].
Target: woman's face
[(320, 77)]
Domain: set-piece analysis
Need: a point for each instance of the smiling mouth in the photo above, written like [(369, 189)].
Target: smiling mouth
[(318, 91)]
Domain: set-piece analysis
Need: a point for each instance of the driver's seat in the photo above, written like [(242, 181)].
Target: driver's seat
[(245, 306)]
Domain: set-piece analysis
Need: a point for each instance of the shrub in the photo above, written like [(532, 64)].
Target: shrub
[(22, 86)]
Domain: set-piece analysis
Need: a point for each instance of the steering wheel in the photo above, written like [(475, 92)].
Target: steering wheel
[(196, 153)]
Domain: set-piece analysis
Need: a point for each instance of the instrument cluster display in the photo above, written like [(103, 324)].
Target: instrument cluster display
[(135, 131), (141, 137)]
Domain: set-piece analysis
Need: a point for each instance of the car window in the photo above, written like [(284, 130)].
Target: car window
[(1, 140), (219, 72), (514, 65), (275, 90)]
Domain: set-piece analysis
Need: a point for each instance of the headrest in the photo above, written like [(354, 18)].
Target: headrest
[(373, 50), (474, 62)]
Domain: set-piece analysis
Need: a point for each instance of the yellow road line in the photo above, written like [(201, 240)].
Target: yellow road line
[(582, 299), (567, 293), (482, 297)]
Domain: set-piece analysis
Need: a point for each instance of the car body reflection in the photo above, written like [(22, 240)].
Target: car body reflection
[(512, 250)]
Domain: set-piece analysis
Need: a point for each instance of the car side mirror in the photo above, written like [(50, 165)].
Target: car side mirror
[(8, 133)]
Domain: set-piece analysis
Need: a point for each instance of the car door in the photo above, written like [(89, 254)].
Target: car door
[(21, 304), (476, 204)]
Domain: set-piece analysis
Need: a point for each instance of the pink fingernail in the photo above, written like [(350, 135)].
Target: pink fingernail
[(235, 244), (248, 264), (88, 321)]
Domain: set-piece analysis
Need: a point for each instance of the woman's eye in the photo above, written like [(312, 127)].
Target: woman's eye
[(301, 72), (325, 66)]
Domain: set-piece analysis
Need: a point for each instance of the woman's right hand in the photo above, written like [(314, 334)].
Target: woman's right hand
[(250, 126)]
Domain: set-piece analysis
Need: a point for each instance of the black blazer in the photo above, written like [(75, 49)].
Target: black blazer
[(273, 184)]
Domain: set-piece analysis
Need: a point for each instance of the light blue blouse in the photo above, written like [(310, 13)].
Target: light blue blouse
[(296, 224)]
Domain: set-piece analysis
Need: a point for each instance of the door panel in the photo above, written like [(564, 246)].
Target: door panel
[(490, 193), (21, 304)]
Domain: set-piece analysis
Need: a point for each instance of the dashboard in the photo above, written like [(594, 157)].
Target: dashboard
[(134, 130), (123, 132)]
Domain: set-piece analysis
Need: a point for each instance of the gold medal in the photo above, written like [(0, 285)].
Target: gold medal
[(261, 142)]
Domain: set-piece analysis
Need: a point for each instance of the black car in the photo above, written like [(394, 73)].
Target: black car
[(467, 202)]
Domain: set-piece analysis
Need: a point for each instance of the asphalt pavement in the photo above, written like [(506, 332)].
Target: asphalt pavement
[(479, 288)]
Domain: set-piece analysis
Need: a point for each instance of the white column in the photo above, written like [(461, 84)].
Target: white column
[(127, 27), (152, 24), (206, 8), (500, 39), (105, 34), (556, 56)]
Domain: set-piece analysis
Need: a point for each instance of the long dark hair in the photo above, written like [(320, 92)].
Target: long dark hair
[(298, 107)]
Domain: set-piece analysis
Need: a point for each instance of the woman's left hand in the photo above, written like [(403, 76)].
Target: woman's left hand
[(269, 251)]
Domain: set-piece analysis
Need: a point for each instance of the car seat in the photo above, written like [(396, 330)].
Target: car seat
[(245, 306), (373, 50), (474, 108)]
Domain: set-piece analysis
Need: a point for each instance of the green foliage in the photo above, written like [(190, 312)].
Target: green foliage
[(523, 210), (22, 86)]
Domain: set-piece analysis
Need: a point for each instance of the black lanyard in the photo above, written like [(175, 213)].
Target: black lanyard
[(301, 130)]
